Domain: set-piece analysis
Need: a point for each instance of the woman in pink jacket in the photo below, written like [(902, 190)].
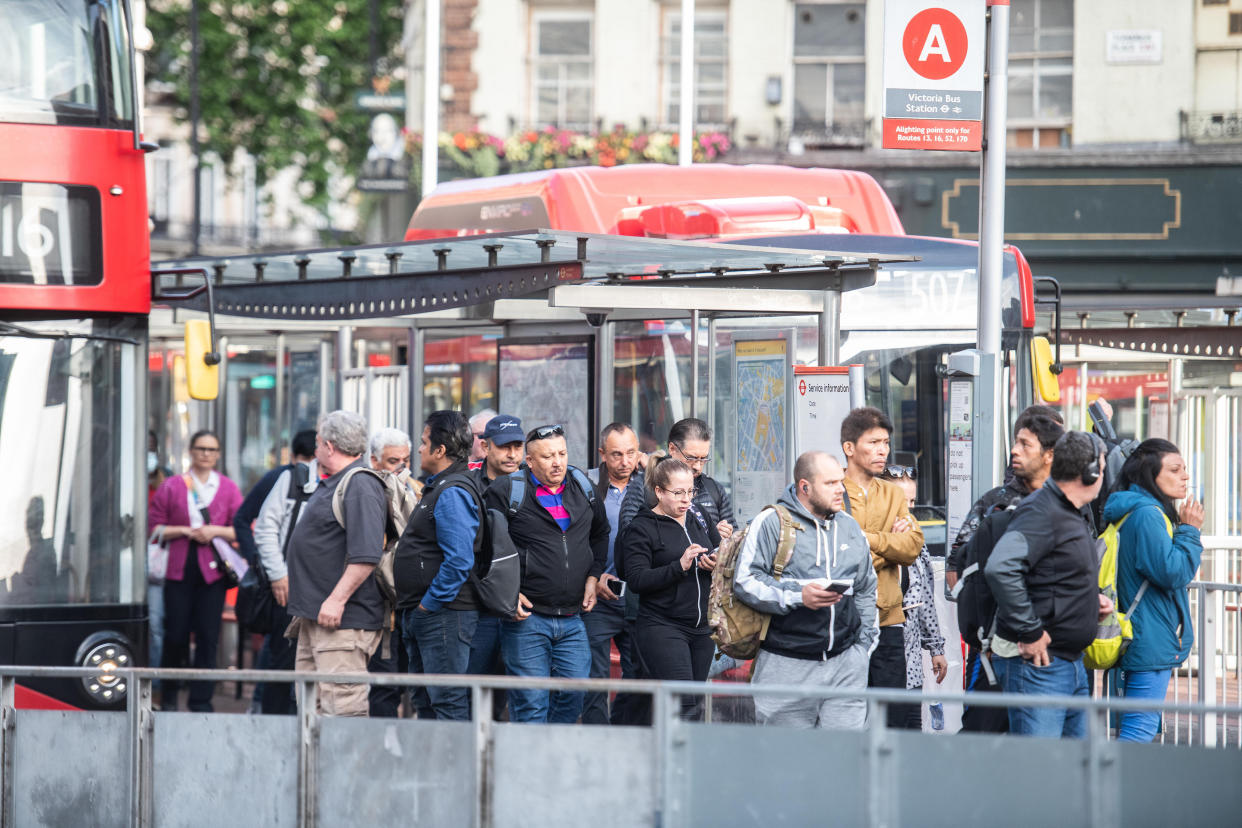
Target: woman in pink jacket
[(194, 509)]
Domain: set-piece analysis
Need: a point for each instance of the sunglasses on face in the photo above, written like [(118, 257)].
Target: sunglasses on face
[(544, 432), (898, 472)]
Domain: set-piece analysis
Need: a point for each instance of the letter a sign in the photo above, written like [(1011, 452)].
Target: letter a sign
[(933, 74)]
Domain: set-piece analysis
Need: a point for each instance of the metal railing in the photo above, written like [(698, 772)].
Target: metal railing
[(141, 767), (1211, 127)]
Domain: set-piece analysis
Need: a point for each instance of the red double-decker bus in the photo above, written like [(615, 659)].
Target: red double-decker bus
[(74, 301)]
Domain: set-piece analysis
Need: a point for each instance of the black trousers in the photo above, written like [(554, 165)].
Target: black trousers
[(277, 698), (191, 607), (385, 702), (888, 669), (671, 652)]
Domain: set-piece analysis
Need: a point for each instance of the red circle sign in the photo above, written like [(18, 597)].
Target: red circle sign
[(802, 387), (934, 43)]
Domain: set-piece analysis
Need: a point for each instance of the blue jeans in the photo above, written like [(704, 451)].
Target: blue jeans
[(1142, 726), (439, 642), (1060, 678), (546, 646), (604, 624)]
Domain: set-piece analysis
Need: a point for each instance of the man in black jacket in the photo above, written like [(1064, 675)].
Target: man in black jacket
[(1045, 579), (561, 532), (690, 441)]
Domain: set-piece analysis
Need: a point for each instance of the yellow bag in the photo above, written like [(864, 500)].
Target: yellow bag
[(1116, 631)]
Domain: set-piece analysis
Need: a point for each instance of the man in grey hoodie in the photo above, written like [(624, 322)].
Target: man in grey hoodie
[(824, 620)]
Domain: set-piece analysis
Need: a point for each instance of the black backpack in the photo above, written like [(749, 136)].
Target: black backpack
[(976, 607), (256, 608)]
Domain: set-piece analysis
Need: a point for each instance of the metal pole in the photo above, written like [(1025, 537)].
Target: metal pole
[(685, 149), (416, 381), (605, 375), (694, 362), (196, 221), (830, 329), (992, 243), (281, 395), (431, 97), (344, 361)]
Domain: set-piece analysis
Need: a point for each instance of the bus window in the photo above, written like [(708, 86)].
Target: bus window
[(48, 74)]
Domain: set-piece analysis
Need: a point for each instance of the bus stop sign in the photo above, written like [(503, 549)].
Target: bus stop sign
[(933, 74)]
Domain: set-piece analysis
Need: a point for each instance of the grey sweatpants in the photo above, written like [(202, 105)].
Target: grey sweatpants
[(846, 670)]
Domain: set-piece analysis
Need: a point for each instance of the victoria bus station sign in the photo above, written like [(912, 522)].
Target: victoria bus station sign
[(933, 74)]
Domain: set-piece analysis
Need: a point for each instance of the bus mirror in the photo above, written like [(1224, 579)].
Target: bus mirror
[(202, 363), (1045, 370)]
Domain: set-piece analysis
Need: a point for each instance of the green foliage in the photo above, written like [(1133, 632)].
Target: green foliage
[(277, 78)]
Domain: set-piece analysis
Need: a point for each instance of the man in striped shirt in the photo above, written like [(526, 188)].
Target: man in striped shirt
[(560, 529)]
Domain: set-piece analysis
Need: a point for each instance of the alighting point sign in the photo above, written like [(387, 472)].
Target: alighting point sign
[(933, 74)]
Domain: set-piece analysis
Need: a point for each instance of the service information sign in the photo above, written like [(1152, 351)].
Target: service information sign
[(960, 455), (933, 74), (822, 399)]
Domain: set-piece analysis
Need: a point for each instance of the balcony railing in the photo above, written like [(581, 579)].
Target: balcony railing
[(1212, 127), (836, 135)]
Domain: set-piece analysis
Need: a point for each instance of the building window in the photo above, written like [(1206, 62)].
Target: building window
[(1041, 57), (1235, 23), (564, 87), (829, 76), (710, 69)]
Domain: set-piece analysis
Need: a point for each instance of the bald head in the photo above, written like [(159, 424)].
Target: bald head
[(819, 483)]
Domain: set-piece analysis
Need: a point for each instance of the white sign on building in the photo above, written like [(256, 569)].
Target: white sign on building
[(1134, 46)]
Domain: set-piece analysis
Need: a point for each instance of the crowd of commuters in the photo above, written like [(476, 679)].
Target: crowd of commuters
[(622, 556)]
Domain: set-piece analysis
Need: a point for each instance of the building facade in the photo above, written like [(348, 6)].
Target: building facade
[(1124, 128)]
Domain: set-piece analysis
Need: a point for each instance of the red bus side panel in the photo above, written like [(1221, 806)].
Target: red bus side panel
[(106, 160)]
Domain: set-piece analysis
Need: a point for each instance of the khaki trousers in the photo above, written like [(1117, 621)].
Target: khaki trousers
[(336, 651)]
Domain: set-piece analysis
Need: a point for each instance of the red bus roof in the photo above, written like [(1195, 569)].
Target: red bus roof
[(610, 200)]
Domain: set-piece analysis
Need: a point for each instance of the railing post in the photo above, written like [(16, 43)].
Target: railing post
[(141, 747), (1103, 792), (881, 803), (1207, 660), (8, 724), (481, 701), (308, 751), (660, 717)]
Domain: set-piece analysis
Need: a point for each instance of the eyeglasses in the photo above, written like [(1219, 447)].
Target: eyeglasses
[(898, 472), (544, 432), (207, 449), (690, 458), (677, 493), (478, 435)]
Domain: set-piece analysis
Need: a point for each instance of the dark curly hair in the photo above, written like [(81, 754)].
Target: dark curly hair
[(1143, 467)]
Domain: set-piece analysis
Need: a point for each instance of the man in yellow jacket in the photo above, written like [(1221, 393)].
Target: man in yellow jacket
[(896, 539)]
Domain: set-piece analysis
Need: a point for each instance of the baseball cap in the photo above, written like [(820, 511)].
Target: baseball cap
[(503, 429)]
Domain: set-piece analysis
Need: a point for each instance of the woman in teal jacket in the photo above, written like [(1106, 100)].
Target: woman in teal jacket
[(1158, 545)]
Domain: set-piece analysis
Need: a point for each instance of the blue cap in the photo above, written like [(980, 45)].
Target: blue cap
[(503, 429)]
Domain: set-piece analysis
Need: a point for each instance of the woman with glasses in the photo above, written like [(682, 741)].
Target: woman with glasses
[(666, 556), (192, 510)]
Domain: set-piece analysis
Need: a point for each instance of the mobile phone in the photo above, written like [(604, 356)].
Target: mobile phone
[(618, 587), (841, 587)]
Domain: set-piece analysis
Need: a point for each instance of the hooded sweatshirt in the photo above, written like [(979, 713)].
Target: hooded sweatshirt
[(836, 549), (1163, 631), (649, 560)]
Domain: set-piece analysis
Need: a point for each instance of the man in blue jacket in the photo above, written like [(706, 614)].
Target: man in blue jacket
[(433, 561)]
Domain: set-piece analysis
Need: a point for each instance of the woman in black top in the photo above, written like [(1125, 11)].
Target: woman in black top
[(666, 556)]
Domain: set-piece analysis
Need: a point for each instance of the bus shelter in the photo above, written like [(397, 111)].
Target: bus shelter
[(552, 300)]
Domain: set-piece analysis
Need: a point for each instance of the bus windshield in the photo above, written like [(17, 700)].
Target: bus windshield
[(70, 507), (65, 62)]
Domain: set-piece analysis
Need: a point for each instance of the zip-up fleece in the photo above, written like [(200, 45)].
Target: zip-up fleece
[(555, 564), (836, 549), (649, 560)]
